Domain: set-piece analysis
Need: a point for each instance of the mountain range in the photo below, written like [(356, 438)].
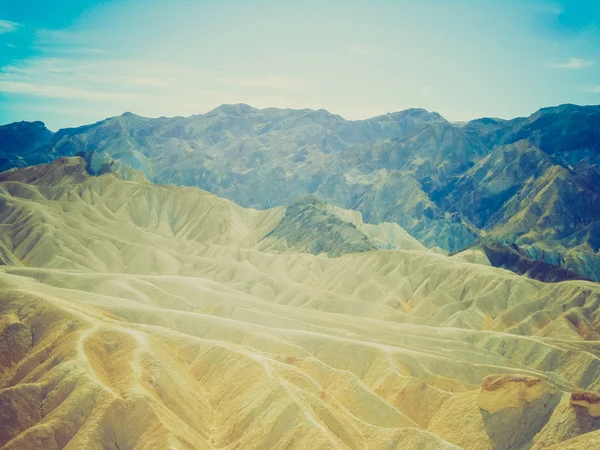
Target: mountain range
[(142, 316), (532, 183)]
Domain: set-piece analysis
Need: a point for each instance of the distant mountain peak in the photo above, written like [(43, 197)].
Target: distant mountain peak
[(129, 114), (24, 124), (237, 108), (411, 113)]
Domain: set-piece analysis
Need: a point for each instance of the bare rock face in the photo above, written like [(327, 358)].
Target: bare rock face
[(510, 391), (587, 400), (314, 226), (514, 408), (61, 171), (15, 342), (572, 421)]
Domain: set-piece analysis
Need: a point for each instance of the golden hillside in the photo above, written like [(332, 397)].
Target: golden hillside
[(138, 316)]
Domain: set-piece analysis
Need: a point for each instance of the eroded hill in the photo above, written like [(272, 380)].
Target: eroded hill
[(141, 316)]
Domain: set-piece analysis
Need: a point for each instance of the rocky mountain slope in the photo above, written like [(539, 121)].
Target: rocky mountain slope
[(187, 214), (134, 315), (532, 181)]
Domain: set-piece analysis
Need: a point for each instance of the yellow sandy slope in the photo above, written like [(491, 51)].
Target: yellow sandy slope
[(135, 316)]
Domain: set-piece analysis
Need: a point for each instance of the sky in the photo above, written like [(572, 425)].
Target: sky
[(72, 62)]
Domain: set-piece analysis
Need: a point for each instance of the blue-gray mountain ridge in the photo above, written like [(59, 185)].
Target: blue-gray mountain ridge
[(531, 185)]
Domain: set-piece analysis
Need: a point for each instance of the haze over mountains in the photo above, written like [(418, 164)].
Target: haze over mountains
[(144, 316), (533, 182)]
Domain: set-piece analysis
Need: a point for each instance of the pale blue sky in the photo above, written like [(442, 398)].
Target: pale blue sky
[(73, 62)]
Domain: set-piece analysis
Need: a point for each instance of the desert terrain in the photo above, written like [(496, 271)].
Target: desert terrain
[(141, 316)]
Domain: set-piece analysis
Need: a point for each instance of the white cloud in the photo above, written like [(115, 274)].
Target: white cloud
[(91, 80), (6, 26), (358, 50), (267, 81), (595, 89), (92, 74), (45, 37), (75, 50), (111, 86), (65, 92), (572, 64), (425, 90)]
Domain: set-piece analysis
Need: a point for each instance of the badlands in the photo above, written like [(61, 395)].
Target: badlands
[(141, 316)]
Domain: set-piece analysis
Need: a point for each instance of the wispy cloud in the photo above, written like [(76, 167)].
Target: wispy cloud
[(571, 64), (6, 26), (56, 38), (358, 50), (595, 89), (149, 88), (72, 78), (63, 92), (76, 71), (268, 81), (78, 50), (59, 42)]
